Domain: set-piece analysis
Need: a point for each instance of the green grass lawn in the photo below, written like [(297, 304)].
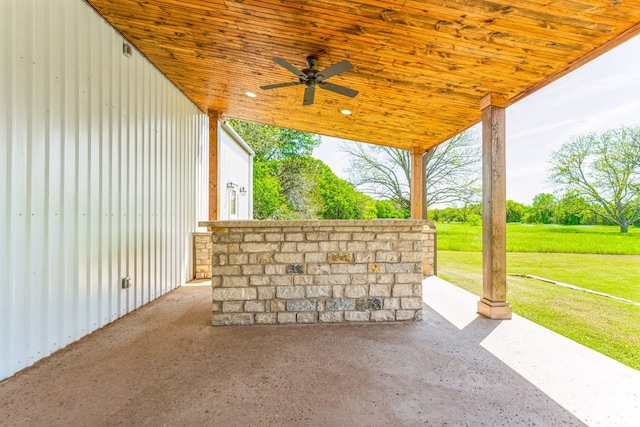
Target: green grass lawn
[(545, 238), (603, 324)]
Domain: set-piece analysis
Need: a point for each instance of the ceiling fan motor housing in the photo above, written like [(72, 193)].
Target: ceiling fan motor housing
[(312, 61)]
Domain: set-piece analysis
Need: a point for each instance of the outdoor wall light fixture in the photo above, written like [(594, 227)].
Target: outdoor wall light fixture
[(232, 186), (127, 50)]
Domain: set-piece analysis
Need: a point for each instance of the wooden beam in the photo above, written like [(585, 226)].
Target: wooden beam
[(418, 210), (425, 178), (213, 165), (494, 303)]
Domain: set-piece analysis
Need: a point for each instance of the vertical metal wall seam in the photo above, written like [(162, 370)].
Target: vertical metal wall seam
[(7, 73)]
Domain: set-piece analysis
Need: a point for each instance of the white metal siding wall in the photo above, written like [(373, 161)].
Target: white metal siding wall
[(102, 163), (235, 165)]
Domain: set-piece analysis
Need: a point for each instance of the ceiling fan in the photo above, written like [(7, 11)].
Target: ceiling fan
[(311, 78)]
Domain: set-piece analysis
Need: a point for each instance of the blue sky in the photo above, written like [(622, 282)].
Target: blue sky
[(600, 95)]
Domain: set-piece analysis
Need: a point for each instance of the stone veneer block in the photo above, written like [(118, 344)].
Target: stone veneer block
[(232, 319), (331, 316), (269, 272), (356, 316), (411, 303), (383, 315), (287, 317), (301, 305), (309, 317), (254, 306), (339, 304), (266, 318), (234, 294), (409, 315)]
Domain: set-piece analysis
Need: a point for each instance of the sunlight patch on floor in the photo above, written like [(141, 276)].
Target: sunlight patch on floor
[(596, 389)]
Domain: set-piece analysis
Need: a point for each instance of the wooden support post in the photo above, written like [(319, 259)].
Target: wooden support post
[(417, 185), (425, 177), (213, 165), (494, 303)]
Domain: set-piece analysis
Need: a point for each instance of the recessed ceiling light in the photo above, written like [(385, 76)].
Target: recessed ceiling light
[(345, 112), (250, 94)]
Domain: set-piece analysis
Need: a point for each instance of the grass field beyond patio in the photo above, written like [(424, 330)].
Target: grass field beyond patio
[(605, 325), (545, 238)]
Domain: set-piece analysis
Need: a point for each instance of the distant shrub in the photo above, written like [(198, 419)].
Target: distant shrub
[(474, 219)]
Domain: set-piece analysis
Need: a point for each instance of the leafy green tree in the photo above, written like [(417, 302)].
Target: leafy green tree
[(515, 211), (269, 202), (271, 142), (474, 219), (604, 169), (338, 198), (299, 181), (386, 209), (542, 210), (289, 184), (448, 214), (572, 209)]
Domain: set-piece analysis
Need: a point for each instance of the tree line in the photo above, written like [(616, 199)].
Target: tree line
[(289, 184), (569, 209), (596, 175)]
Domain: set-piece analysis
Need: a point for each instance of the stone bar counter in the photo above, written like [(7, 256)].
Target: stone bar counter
[(277, 272)]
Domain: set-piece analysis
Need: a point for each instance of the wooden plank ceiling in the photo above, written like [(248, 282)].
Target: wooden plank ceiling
[(421, 67)]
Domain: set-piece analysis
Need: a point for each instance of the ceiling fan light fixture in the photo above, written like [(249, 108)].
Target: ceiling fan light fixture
[(250, 94)]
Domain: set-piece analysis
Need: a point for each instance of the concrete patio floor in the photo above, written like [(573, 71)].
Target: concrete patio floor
[(165, 365)]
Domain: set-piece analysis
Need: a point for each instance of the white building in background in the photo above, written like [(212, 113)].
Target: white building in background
[(235, 175), (104, 175)]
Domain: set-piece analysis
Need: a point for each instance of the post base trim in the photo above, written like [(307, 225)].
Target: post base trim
[(494, 310)]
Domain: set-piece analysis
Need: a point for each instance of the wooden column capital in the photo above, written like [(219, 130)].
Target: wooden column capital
[(495, 100)]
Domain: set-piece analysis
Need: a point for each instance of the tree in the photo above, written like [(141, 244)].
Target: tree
[(269, 202), (386, 209), (338, 198), (452, 171), (469, 204), (604, 169), (271, 142), (299, 181), (542, 210), (515, 211), (572, 209)]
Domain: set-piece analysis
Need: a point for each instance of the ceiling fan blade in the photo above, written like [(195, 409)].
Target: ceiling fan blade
[(309, 93), (341, 90), (277, 85), (334, 69), (284, 64)]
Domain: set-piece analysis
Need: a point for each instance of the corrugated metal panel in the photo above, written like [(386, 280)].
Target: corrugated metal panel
[(103, 174)]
